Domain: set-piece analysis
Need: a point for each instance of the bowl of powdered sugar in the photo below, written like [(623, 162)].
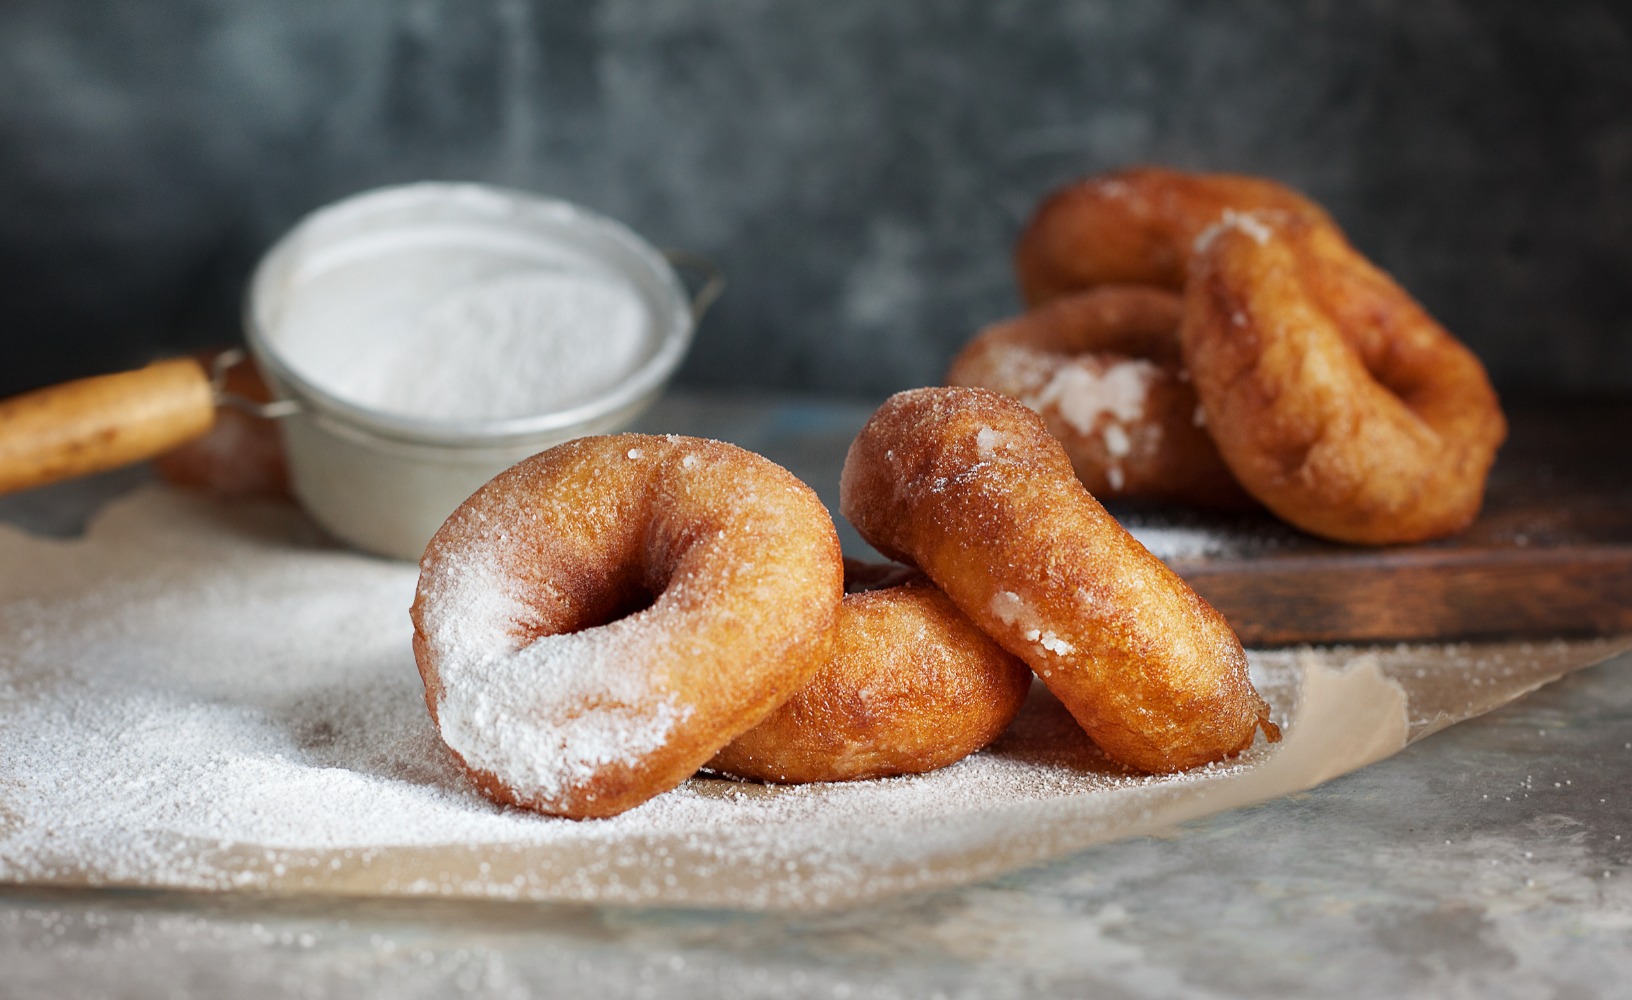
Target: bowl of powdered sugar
[(425, 337)]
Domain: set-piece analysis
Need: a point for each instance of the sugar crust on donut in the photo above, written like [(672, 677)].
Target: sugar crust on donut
[(599, 620), (969, 485)]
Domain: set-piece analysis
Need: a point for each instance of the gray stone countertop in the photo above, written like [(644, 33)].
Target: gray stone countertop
[(1490, 860)]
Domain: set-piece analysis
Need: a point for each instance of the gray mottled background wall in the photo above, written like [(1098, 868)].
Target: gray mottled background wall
[(858, 168)]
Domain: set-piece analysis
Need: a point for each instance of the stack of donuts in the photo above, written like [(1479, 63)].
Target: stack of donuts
[(1214, 340), (604, 619)]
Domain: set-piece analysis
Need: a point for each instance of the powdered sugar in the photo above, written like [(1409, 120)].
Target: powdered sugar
[(1012, 610), (1250, 223), (1171, 543), (1051, 642), (988, 441), (476, 338), (548, 715), (1083, 395), (1117, 443)]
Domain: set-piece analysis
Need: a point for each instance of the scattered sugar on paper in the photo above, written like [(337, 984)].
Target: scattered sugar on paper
[(177, 684), (206, 697)]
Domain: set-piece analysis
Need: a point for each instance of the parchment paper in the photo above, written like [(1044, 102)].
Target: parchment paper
[(201, 696)]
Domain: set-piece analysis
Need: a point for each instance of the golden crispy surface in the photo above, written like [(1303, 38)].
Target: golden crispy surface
[(1334, 398), (1135, 227), (1103, 369), (970, 486), (699, 583), (912, 685)]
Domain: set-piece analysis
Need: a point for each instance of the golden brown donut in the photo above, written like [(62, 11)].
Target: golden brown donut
[(912, 685), (1135, 227), (1103, 369), (241, 455), (970, 486), (1334, 397), (600, 619)]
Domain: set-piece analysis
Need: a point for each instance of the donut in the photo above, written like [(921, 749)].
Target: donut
[(599, 620), (241, 455), (1333, 396), (1103, 369), (968, 485), (1135, 227), (912, 685)]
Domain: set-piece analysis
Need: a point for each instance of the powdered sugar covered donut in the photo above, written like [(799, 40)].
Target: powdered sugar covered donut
[(1103, 369), (970, 486), (599, 620), (912, 685)]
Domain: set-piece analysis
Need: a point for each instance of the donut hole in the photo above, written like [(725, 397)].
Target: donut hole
[(1378, 321), (633, 603), (615, 605), (862, 577)]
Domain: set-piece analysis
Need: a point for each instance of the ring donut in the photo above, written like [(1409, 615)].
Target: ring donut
[(599, 620), (969, 485), (1103, 369), (1135, 227), (1334, 397), (912, 686)]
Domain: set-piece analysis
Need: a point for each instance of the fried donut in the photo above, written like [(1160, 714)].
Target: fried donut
[(912, 686), (1103, 369), (241, 455), (1135, 227), (1334, 397), (969, 485), (599, 620)]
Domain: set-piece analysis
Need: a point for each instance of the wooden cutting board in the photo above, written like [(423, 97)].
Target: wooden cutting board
[(1551, 553)]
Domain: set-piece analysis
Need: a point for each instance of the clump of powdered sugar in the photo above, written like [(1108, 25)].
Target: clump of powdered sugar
[(1110, 400), (988, 441), (1013, 610), (1082, 395), (1252, 224)]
